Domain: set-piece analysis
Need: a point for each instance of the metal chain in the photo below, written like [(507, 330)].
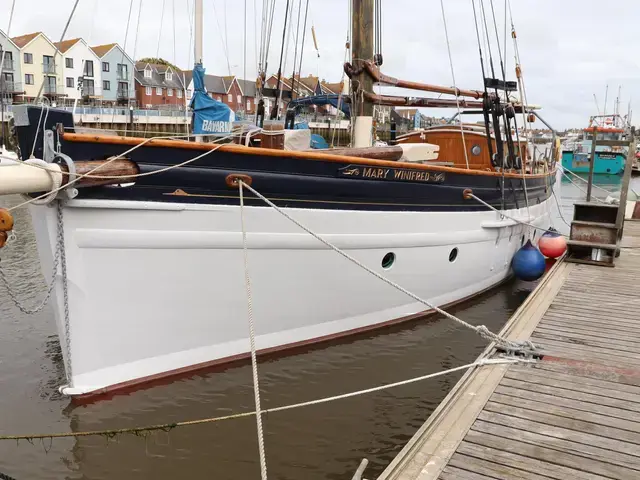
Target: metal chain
[(14, 297), (65, 291)]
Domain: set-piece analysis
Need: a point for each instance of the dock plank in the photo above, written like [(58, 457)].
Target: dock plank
[(575, 413)]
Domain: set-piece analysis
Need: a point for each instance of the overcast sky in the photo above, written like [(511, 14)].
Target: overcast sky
[(570, 49)]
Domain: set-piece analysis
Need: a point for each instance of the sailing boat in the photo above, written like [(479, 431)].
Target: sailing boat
[(153, 282)]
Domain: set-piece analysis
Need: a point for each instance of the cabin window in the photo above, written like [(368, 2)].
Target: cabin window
[(475, 150), (388, 260), (453, 255)]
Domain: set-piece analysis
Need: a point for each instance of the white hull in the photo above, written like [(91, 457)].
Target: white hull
[(155, 288)]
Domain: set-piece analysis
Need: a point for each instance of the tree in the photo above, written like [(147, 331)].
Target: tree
[(159, 61)]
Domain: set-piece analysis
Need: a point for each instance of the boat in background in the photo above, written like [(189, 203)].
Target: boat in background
[(608, 160)]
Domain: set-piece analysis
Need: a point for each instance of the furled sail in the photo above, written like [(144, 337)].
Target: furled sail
[(209, 115)]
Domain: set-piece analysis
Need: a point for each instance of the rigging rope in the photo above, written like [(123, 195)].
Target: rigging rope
[(13, 5), (304, 36), (453, 76)]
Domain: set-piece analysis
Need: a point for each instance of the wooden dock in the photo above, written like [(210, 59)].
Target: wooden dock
[(574, 414)]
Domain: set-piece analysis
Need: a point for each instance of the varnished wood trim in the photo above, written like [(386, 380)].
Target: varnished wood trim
[(267, 152)]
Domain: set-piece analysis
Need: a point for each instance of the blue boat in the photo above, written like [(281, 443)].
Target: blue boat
[(608, 160)]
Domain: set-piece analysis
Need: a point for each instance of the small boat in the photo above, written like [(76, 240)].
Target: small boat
[(608, 160)]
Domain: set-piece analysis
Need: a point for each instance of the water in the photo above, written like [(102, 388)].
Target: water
[(318, 442)]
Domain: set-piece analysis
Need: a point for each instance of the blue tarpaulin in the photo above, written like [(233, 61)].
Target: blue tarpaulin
[(329, 99), (209, 115)]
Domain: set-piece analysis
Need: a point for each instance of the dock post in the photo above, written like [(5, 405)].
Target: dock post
[(592, 162), (626, 179)]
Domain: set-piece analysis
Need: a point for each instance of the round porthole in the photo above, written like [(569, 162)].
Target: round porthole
[(453, 255), (475, 150), (388, 260)]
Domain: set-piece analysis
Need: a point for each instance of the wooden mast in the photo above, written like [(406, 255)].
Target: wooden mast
[(362, 51)]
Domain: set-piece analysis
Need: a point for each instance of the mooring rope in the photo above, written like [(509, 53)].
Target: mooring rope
[(165, 427), (482, 330), (501, 212), (252, 340)]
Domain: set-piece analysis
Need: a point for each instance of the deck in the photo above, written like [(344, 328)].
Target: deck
[(573, 414)]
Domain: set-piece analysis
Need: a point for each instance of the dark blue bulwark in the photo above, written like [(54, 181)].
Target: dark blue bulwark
[(295, 182)]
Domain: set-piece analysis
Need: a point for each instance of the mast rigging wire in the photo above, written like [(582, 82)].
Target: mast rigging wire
[(453, 76), (275, 109), (304, 36), (64, 32), (295, 51), (160, 29)]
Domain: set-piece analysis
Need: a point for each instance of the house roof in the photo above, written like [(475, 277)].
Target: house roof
[(102, 50), (331, 87), (23, 40), (157, 78), (248, 88), (67, 44)]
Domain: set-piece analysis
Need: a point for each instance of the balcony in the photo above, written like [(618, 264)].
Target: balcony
[(123, 76), (9, 87), (53, 89), (88, 91), (8, 64), (49, 68)]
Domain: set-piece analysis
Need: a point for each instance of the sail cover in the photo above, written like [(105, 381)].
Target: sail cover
[(209, 115), (329, 99)]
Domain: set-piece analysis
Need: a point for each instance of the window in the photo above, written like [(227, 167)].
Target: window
[(230, 98), (147, 91), (168, 76), (47, 64), (248, 104), (218, 98), (105, 66), (179, 93), (123, 72), (68, 62), (88, 68), (123, 90), (106, 85), (147, 73), (28, 58), (170, 92), (69, 82), (158, 90), (189, 93), (239, 99), (28, 78)]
